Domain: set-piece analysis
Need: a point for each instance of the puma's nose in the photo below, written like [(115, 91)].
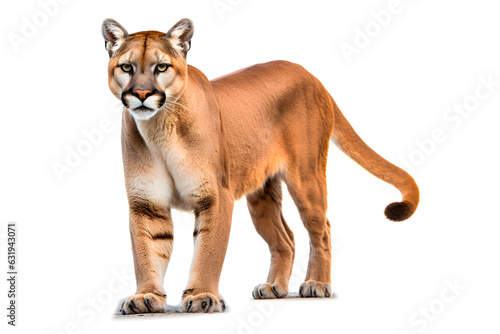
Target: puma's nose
[(142, 94)]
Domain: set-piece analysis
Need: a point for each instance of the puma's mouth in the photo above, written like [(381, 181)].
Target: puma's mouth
[(143, 109), (142, 113)]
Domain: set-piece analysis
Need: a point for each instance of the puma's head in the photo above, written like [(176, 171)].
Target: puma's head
[(147, 69)]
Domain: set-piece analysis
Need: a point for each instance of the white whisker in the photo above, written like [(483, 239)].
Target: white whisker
[(175, 103)]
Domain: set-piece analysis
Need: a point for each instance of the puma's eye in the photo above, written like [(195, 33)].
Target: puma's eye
[(126, 67), (162, 67)]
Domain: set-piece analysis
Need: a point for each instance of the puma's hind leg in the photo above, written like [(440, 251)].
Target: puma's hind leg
[(265, 209), (308, 190)]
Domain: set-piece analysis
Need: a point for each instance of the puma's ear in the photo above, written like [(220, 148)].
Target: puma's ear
[(114, 35), (180, 35)]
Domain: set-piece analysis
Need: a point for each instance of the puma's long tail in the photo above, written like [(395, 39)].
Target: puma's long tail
[(353, 146)]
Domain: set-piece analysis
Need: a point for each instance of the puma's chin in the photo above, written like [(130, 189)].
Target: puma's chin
[(142, 113)]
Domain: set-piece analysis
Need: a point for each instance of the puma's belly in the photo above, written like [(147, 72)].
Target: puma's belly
[(249, 179), (252, 159)]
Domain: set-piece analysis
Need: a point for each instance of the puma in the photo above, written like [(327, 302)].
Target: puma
[(198, 145)]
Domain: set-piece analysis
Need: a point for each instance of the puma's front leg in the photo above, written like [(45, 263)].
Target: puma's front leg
[(151, 230), (211, 234)]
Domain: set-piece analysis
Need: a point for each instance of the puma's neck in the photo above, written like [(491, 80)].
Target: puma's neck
[(163, 126), (182, 122)]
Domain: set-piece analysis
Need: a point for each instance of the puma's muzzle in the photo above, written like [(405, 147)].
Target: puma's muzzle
[(143, 103)]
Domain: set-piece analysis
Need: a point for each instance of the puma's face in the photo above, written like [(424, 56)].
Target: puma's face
[(144, 74), (147, 70)]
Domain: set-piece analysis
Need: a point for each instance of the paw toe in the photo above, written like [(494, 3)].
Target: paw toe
[(315, 289), (268, 291), (143, 303), (203, 303)]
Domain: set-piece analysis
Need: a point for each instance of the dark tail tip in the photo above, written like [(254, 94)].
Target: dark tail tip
[(399, 211)]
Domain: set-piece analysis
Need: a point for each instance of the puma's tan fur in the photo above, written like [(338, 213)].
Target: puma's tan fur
[(197, 145)]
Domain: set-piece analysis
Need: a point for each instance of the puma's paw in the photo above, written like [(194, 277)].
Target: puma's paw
[(143, 303), (203, 303), (315, 289), (268, 291)]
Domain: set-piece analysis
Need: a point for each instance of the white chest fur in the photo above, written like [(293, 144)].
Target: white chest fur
[(177, 178)]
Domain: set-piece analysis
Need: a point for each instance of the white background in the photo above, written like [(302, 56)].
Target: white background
[(73, 232)]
